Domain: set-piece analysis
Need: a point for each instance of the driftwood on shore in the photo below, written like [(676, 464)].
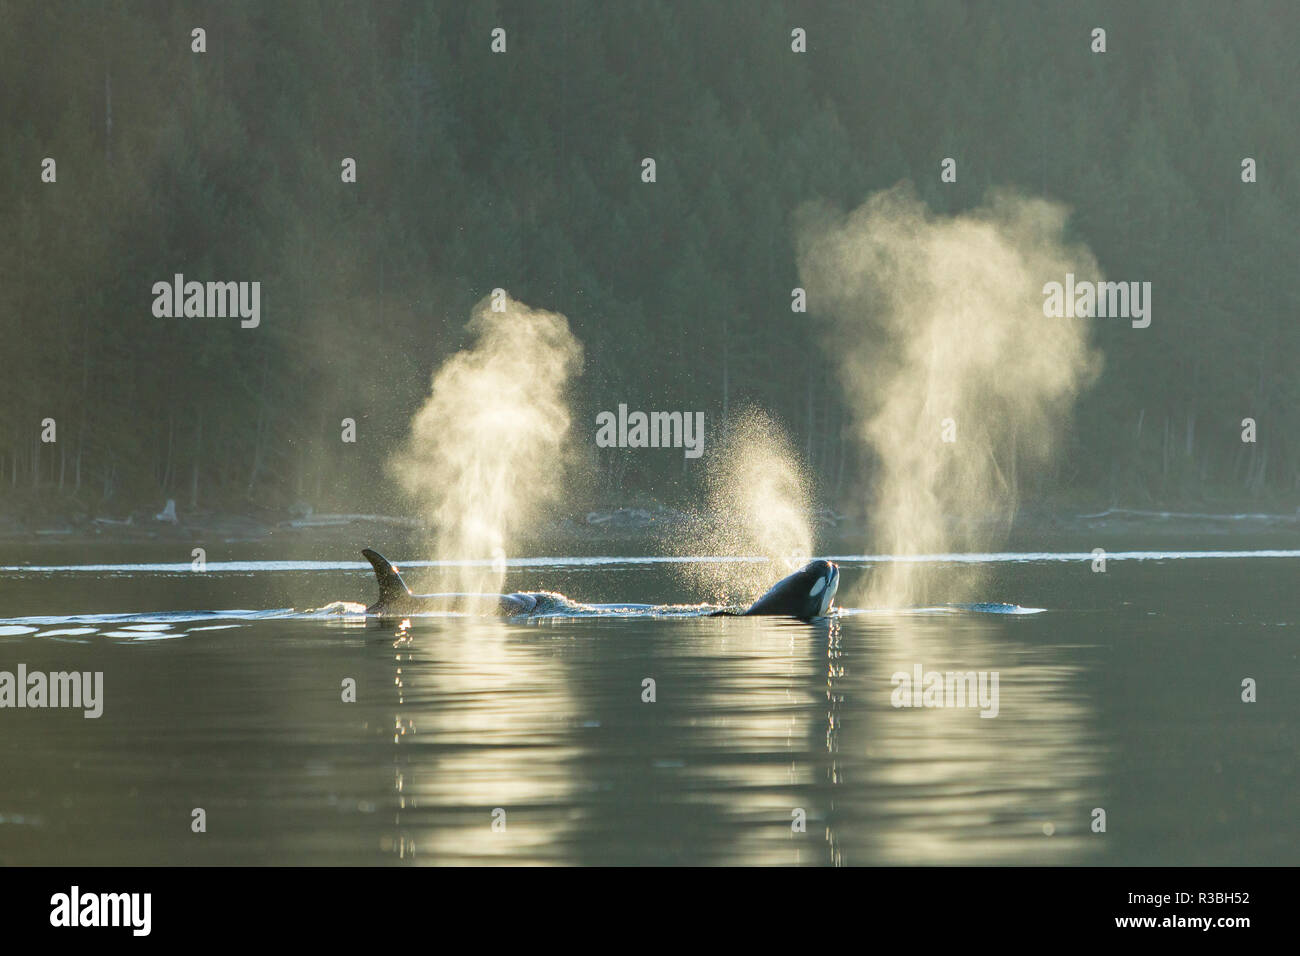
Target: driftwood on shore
[(1194, 516), (336, 521)]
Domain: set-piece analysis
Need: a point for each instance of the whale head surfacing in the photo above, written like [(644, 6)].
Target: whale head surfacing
[(806, 594)]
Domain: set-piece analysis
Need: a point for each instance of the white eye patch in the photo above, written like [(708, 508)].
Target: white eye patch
[(817, 588)]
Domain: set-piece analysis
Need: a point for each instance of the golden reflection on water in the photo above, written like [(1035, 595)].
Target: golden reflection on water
[(755, 722), (480, 768), (947, 786)]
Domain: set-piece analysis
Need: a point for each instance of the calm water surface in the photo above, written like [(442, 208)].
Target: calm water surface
[(1124, 694)]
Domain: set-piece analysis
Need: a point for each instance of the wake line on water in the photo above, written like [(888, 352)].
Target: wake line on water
[(983, 557), (159, 617), (1003, 557), (247, 566), (155, 626)]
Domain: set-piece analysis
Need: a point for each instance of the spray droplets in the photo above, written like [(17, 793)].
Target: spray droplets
[(489, 447), (759, 504)]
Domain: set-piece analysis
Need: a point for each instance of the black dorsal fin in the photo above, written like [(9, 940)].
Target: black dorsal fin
[(391, 586)]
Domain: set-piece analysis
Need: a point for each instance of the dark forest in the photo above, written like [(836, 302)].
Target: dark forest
[(523, 171)]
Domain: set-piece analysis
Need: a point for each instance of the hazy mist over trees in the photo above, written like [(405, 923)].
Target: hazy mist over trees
[(523, 171)]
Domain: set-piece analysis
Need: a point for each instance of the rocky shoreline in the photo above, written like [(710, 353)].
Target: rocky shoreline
[(628, 529)]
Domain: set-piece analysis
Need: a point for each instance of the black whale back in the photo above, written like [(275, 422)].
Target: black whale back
[(792, 596)]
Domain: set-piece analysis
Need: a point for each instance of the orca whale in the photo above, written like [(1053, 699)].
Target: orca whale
[(806, 594)]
